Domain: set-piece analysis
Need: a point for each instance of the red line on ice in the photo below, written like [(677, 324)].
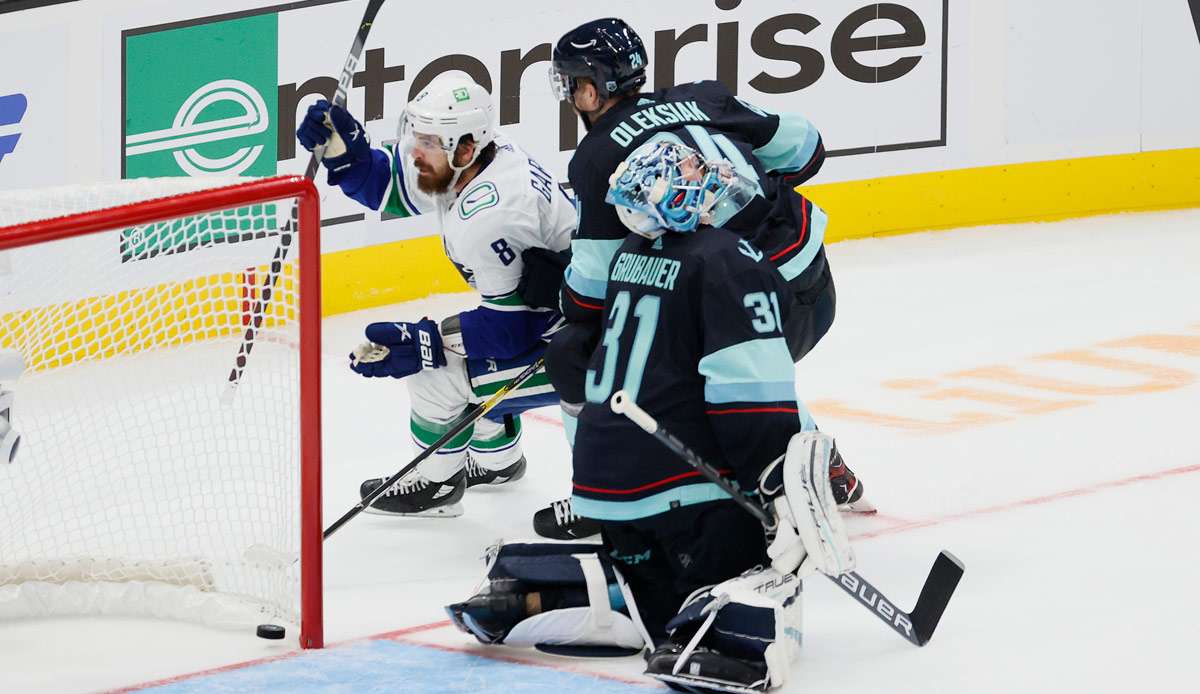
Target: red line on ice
[(1033, 501)]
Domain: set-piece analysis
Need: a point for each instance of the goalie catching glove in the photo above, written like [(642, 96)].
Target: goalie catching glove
[(398, 349), (810, 535)]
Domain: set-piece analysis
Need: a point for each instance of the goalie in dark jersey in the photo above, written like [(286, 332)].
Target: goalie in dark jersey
[(693, 332), (599, 68)]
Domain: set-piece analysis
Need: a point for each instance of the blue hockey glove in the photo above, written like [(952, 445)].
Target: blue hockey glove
[(398, 349), (346, 143)]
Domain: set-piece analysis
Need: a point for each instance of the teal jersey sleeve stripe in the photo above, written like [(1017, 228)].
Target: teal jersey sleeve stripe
[(662, 502), (792, 268), (793, 145), (570, 425), (593, 289), (778, 391), (807, 423), (754, 361), (588, 273)]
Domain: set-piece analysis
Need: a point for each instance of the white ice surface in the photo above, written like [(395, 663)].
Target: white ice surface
[(1078, 526)]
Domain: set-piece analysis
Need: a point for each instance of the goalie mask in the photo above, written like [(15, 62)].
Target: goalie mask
[(448, 109), (666, 185)]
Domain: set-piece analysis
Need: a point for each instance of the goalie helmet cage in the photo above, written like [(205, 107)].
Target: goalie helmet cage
[(146, 481)]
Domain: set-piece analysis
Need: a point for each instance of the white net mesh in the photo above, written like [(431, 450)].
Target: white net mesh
[(137, 462)]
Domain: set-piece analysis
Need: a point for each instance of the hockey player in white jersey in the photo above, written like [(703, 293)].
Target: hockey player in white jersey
[(493, 202)]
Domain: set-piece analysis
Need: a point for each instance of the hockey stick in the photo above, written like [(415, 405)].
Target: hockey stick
[(289, 228), (465, 420), (916, 626)]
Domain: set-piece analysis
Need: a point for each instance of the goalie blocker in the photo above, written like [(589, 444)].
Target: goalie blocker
[(741, 635)]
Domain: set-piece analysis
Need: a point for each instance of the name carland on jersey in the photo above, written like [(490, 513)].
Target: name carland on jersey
[(646, 270)]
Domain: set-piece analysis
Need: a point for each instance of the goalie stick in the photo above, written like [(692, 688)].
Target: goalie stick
[(289, 227), (916, 626), (465, 420)]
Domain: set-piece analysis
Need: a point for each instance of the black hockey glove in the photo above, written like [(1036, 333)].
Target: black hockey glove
[(542, 276)]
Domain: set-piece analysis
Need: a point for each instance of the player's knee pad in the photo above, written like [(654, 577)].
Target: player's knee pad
[(567, 359), (561, 598), (10, 440), (739, 635)]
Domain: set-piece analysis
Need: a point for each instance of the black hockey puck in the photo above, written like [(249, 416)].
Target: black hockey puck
[(270, 631)]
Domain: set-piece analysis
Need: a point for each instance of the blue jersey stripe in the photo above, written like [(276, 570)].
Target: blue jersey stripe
[(754, 361), (653, 505), (806, 419), (588, 273), (570, 424), (799, 262), (583, 286), (762, 391)]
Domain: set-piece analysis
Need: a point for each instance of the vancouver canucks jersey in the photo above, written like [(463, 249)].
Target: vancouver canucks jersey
[(692, 332), (777, 151), (511, 205)]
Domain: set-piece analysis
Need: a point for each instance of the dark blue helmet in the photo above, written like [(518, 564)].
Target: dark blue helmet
[(606, 51)]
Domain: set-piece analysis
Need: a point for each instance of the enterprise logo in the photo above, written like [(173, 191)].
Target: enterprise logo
[(12, 110), (190, 129)]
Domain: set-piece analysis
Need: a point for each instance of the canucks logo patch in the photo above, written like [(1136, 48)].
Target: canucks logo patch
[(477, 199)]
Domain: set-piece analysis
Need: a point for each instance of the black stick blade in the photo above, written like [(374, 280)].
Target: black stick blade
[(935, 595)]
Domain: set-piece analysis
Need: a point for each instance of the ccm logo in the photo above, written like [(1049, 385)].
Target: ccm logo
[(12, 110)]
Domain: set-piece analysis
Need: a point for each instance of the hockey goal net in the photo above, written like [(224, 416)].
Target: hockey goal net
[(160, 402)]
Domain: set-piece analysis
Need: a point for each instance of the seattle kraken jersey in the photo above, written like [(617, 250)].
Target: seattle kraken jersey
[(692, 332), (778, 151)]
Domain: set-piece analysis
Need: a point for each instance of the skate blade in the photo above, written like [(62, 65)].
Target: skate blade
[(493, 483), (448, 511), (861, 506)]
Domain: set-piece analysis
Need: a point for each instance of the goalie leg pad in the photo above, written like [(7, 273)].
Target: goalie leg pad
[(564, 598), (810, 535), (741, 635)]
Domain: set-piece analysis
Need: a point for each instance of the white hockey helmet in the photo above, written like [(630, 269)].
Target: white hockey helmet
[(450, 107)]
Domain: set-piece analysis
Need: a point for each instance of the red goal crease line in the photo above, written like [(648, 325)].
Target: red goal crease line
[(404, 635)]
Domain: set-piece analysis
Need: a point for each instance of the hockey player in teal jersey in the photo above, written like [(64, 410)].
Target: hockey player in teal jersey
[(600, 68), (693, 333)]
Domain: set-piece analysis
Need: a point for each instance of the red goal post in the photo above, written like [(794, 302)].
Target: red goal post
[(220, 446)]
